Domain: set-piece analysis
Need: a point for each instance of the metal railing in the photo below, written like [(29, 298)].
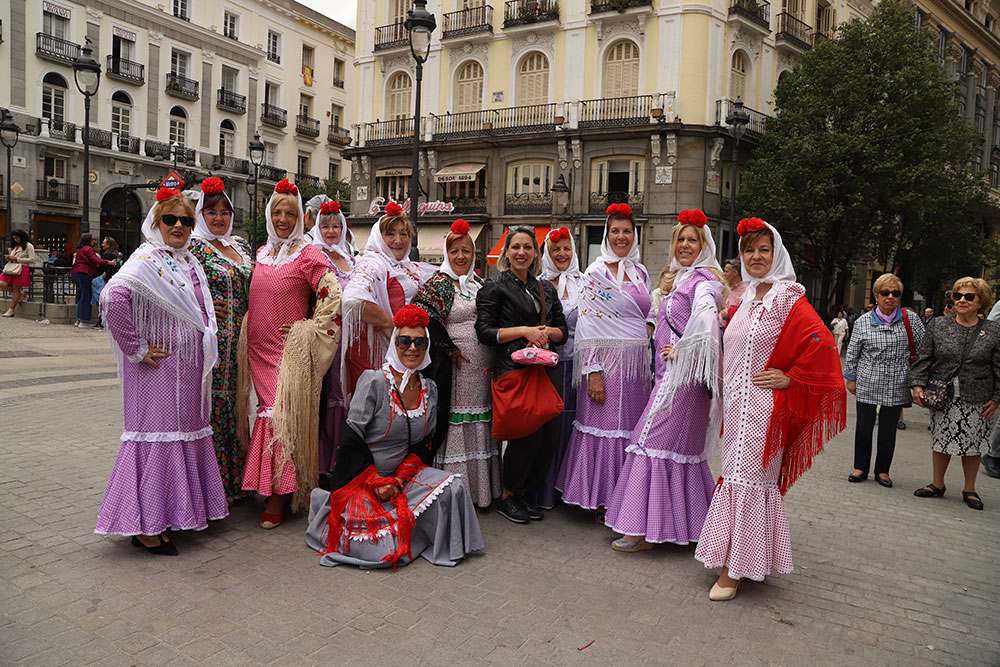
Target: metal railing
[(523, 12), (338, 83), (60, 129), (187, 156), (231, 101), (56, 47), (616, 111), (158, 149), (819, 37), (755, 128), (57, 284), (99, 138), (391, 36), (510, 120), (793, 31), (307, 126), (599, 202), (273, 115), (182, 86), (527, 203), (604, 6), (471, 205), (469, 21), (230, 163), (306, 181), (128, 144), (387, 132), (336, 134), (274, 57), (126, 70), (758, 11), (269, 173), (55, 191)]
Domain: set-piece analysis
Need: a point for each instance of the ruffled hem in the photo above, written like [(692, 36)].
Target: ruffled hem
[(600, 432), (466, 456), (653, 453), (591, 468), (195, 528)]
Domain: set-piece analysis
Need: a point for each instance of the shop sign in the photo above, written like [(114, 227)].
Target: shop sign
[(422, 209)]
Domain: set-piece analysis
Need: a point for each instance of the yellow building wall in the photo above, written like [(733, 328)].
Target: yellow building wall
[(651, 55), (499, 74), (694, 73)]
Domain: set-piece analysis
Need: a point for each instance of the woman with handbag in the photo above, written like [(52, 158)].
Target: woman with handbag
[(884, 344), (515, 311), (957, 376), (16, 273)]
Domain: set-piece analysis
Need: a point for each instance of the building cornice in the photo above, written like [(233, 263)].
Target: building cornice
[(958, 17)]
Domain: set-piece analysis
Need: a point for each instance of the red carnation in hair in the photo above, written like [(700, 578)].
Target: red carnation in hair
[(412, 316), (692, 216), (393, 209), (623, 210), (460, 227), (559, 234), (212, 185), (286, 187), (163, 194), (750, 225), (329, 207)]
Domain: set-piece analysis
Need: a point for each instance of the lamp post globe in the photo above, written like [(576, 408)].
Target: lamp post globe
[(419, 24), (737, 120)]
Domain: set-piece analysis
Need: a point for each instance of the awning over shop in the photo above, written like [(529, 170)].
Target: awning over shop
[(394, 171), (458, 173), (541, 232), (431, 240)]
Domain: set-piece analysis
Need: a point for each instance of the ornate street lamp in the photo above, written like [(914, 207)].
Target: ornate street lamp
[(256, 159), (87, 74), (9, 133), (737, 120), (420, 23)]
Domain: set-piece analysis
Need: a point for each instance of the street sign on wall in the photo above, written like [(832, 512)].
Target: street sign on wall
[(172, 181)]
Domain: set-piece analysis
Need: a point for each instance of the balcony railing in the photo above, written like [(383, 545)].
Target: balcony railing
[(819, 37), (527, 203), (338, 135), (274, 57), (269, 173), (307, 126), (616, 111), (755, 128), (471, 21), (231, 101), (793, 31), (56, 48), (229, 163), (158, 149), (54, 191), (388, 132), (187, 156), (472, 205), (98, 138), (523, 12), (757, 11), (273, 115), (620, 6), (60, 129), (391, 36), (182, 86), (599, 202), (128, 144), (306, 181), (126, 70), (511, 120), (338, 83)]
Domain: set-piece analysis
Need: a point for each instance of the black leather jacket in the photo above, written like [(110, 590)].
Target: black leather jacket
[(504, 301)]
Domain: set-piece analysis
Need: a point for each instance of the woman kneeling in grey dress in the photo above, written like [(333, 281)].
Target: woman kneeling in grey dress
[(387, 506)]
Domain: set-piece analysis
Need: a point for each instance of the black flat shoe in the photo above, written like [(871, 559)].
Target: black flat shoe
[(854, 479), (887, 483), (530, 509), (511, 510), (972, 499), (929, 491), (161, 549)]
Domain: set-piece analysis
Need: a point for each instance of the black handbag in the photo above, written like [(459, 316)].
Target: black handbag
[(938, 392)]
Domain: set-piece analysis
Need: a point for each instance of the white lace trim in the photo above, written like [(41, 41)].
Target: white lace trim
[(467, 456), (472, 411), (374, 536), (600, 432), (653, 453), (264, 255), (265, 411), (166, 528), (140, 354), (166, 436), (749, 483)]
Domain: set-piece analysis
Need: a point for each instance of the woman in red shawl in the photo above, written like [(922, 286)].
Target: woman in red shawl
[(784, 399)]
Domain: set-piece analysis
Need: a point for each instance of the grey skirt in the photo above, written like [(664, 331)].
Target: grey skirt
[(960, 430)]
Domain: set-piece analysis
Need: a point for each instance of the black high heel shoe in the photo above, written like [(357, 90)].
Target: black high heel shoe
[(854, 479), (164, 548)]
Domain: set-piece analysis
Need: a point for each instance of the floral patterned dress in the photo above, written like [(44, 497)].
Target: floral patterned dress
[(229, 282)]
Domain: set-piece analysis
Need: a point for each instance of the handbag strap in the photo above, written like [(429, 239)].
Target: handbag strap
[(968, 347), (909, 337), (541, 298)]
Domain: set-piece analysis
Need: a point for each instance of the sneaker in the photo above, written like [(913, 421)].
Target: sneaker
[(529, 508), (511, 510)]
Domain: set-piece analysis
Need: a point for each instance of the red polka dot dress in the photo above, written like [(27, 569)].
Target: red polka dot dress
[(746, 529)]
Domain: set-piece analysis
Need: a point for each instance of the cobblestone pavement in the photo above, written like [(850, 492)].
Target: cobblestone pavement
[(882, 577)]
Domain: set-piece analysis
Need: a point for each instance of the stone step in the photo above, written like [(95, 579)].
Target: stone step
[(55, 313)]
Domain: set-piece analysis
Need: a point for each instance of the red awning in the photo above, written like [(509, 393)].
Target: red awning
[(541, 232)]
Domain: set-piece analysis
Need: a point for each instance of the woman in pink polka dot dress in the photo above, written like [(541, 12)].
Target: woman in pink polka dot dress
[(784, 399)]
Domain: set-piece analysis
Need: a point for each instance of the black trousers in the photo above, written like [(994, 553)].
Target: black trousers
[(888, 415), (526, 461)]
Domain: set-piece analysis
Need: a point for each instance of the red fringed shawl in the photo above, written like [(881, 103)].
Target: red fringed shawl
[(814, 407)]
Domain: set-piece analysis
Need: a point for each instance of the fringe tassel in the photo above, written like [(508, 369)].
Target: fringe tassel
[(696, 360), (243, 391), (627, 356)]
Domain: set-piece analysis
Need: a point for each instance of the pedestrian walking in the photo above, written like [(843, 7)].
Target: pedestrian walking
[(737, 286), (957, 376), (929, 315), (86, 266), (784, 399), (16, 274), (882, 348), (839, 328)]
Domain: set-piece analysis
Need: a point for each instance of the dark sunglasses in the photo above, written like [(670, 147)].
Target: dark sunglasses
[(969, 296), (170, 220), (894, 292), (404, 342)]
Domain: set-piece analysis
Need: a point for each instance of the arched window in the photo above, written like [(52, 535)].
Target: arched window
[(398, 100), (121, 113), (469, 87), (738, 77), (54, 97), (178, 126), (621, 70), (227, 138), (533, 80)]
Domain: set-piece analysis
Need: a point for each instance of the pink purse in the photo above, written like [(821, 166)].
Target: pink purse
[(535, 356)]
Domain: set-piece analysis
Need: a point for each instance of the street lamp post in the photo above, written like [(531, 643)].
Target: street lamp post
[(256, 159), (420, 23), (737, 120), (87, 74), (174, 147), (9, 133)]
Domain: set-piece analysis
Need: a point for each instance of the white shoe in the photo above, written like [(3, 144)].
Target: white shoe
[(721, 594)]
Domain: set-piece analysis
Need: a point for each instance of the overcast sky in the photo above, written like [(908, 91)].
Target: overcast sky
[(343, 11)]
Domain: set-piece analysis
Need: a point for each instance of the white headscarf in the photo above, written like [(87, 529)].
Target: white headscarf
[(201, 229), (705, 259), (155, 236), (569, 280), (781, 271), (395, 363), (467, 283), (376, 244), (626, 264), (343, 247), (279, 251)]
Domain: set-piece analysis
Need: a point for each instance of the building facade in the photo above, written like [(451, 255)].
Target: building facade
[(623, 100), (185, 85)]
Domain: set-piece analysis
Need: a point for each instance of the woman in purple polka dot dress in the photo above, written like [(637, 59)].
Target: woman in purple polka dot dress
[(161, 325)]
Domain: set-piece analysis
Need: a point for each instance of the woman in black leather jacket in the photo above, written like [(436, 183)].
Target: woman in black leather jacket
[(509, 319)]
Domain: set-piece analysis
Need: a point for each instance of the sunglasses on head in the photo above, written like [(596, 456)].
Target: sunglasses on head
[(170, 220), (968, 296), (894, 292), (404, 342)]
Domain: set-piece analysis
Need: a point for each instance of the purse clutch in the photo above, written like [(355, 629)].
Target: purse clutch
[(12, 268), (535, 356), (937, 393)]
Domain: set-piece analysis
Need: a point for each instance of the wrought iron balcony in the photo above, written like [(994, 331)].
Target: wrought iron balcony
[(338, 83), (60, 129), (819, 37), (307, 126), (187, 156), (471, 21), (269, 173), (55, 191), (273, 115), (528, 203), (306, 181), (597, 6), (98, 138), (472, 205), (180, 86), (616, 111), (510, 120), (755, 128), (392, 36), (56, 48), (125, 70), (274, 57), (158, 149), (523, 12), (758, 11), (338, 135), (128, 144), (388, 132), (229, 163), (599, 202), (231, 101), (793, 32)]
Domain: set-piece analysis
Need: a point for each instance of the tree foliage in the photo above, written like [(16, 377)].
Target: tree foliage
[(867, 159)]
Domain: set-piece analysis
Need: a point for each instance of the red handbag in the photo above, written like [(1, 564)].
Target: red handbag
[(524, 399)]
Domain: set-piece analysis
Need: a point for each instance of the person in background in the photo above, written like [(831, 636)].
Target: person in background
[(839, 327), (86, 266), (736, 285), (109, 251), (949, 307), (929, 315), (991, 460), (312, 215), (23, 254)]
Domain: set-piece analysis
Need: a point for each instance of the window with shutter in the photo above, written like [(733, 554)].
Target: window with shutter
[(469, 87), (621, 70), (399, 8), (738, 77), (533, 80), (399, 96)]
